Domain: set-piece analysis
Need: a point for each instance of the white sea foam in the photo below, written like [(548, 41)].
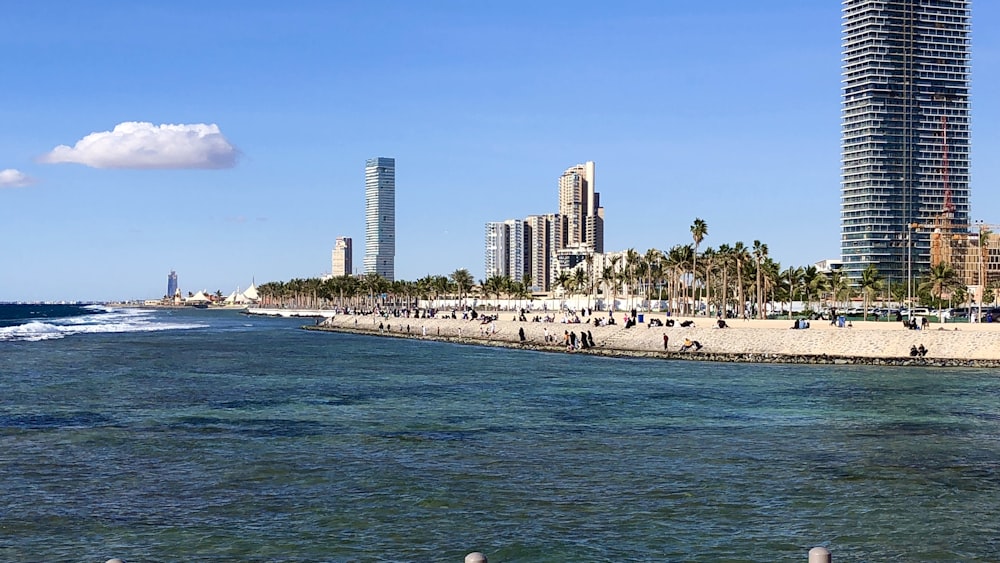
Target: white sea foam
[(106, 320)]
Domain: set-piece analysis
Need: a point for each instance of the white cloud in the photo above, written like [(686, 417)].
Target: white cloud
[(137, 144), (11, 178)]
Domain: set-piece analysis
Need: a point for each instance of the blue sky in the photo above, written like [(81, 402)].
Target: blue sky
[(726, 110)]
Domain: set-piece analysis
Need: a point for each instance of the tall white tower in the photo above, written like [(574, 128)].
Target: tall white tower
[(380, 217)]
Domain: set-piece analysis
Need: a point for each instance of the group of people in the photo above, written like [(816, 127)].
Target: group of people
[(918, 352), (572, 342)]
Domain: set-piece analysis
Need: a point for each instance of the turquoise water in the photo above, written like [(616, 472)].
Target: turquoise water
[(230, 438)]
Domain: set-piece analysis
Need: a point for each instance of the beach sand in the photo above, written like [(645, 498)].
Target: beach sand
[(973, 344)]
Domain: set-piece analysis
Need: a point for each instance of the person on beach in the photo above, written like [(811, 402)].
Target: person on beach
[(520, 333), (666, 341), (590, 339), (688, 344), (913, 351), (922, 351)]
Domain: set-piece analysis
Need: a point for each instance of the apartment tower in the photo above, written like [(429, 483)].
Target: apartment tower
[(905, 132), (497, 239), (343, 256), (580, 209), (380, 217)]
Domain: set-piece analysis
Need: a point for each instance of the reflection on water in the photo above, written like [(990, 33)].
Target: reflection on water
[(270, 443)]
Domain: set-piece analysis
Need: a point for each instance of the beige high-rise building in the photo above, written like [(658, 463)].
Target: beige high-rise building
[(580, 209), (342, 257)]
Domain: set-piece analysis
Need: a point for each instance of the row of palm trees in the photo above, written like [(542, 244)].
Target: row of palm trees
[(365, 291), (736, 279)]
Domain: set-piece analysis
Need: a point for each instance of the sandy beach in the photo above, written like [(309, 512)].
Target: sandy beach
[(865, 342)]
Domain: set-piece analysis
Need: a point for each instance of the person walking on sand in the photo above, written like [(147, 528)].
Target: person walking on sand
[(520, 333), (666, 341)]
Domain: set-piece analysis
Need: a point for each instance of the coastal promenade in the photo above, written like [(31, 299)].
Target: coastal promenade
[(772, 341)]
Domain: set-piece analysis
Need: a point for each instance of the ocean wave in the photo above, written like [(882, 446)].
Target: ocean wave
[(108, 320)]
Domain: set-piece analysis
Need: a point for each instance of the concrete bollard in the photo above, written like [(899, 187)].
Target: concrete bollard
[(475, 557), (820, 555)]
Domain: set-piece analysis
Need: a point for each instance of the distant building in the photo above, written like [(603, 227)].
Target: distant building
[(580, 209), (537, 259), (342, 258), (516, 249), (171, 283), (497, 239), (380, 217), (540, 247), (905, 132), (829, 265)]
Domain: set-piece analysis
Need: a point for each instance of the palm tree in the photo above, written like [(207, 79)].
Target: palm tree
[(941, 278), (794, 276), (495, 285), (615, 279), (759, 254), (463, 280), (741, 255), (871, 283), (373, 285), (678, 258), (608, 280), (710, 258), (698, 231), (815, 282), (724, 256), (654, 270), (563, 280), (631, 262), (580, 280), (589, 261), (840, 287)]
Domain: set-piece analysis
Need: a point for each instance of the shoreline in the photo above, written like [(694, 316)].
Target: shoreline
[(744, 341)]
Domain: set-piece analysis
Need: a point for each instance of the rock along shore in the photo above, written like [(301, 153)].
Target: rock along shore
[(754, 341)]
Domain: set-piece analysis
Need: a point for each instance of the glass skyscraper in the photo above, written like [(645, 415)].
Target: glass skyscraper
[(171, 283), (905, 132), (380, 217)]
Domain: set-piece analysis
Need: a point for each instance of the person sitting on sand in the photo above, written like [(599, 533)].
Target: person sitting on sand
[(686, 324), (922, 351), (722, 323), (913, 351), (688, 343)]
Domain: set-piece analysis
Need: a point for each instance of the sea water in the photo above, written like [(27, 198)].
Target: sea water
[(194, 435)]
